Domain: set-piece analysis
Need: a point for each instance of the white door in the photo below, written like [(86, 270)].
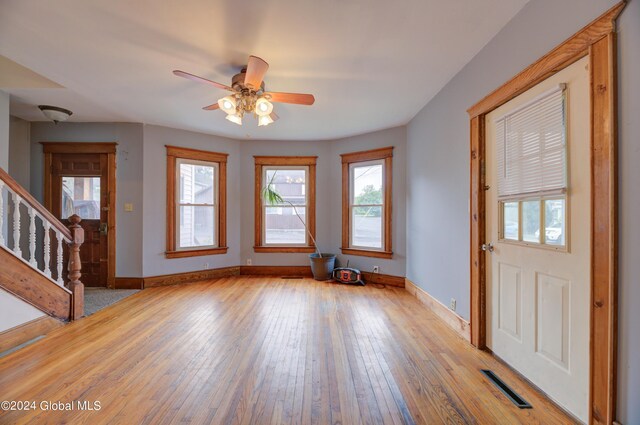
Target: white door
[(538, 275)]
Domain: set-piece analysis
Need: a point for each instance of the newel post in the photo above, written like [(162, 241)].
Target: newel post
[(75, 286)]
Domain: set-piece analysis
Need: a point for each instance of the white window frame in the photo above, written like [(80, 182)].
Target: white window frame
[(215, 205), (352, 205), (542, 242), (265, 169)]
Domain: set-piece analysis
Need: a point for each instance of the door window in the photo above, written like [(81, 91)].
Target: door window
[(81, 196), (531, 161)]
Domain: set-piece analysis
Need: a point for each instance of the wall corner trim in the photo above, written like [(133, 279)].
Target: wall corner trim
[(451, 318)]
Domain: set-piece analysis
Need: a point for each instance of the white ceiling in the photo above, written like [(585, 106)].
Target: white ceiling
[(371, 64)]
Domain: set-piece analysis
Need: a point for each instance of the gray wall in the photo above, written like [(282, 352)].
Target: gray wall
[(141, 177), (128, 178), (629, 203), (20, 151), (328, 196), (155, 177), (4, 130), (249, 148), (438, 160)]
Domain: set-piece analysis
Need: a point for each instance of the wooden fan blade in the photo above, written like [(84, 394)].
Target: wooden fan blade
[(200, 79), (296, 98), (256, 68), (212, 107), (274, 116)]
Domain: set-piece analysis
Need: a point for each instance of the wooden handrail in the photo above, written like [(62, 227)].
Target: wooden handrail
[(28, 198)]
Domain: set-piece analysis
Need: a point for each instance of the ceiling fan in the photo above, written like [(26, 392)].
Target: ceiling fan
[(249, 94)]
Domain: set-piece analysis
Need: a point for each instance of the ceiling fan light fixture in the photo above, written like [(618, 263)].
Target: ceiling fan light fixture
[(248, 95), (235, 118), (228, 104), (55, 113), (264, 120), (263, 107)]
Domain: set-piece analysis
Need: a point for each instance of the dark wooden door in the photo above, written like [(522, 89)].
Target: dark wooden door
[(79, 185)]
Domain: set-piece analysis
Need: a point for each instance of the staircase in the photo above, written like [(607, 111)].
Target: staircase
[(33, 247)]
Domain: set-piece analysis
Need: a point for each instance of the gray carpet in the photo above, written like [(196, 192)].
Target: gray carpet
[(95, 299)]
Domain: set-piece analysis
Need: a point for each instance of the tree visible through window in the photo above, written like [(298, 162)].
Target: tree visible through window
[(367, 203)]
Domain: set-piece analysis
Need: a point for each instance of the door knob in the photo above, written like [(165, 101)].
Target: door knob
[(487, 247), (103, 228)]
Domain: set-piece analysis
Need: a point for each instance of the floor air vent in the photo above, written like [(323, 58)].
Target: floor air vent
[(506, 390)]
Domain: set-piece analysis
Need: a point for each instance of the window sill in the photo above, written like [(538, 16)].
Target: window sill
[(287, 249), (196, 252), (367, 253)]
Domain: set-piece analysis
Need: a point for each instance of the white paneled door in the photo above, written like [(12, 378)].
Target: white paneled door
[(538, 273)]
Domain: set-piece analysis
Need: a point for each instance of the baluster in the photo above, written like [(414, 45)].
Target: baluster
[(32, 238), (59, 280), (47, 249), (1, 214), (16, 225), (75, 265)]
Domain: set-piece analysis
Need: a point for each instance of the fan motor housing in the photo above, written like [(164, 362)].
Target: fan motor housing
[(237, 82)]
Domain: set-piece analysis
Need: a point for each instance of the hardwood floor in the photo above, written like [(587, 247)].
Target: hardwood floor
[(259, 350)]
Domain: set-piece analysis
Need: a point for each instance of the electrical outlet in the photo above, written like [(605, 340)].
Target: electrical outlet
[(206, 265), (376, 269), (452, 304), (248, 261)]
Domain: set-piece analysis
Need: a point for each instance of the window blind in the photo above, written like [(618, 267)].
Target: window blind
[(531, 147)]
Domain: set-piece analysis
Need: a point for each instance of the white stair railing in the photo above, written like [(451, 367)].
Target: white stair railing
[(40, 223)]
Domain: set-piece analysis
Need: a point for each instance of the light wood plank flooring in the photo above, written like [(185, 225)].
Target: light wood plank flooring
[(260, 350)]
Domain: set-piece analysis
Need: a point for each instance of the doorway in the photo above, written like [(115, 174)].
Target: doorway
[(80, 179), (538, 224), (597, 42)]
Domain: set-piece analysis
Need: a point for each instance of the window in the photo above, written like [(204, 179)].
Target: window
[(282, 226), (532, 171), (196, 202), (81, 195), (366, 203)]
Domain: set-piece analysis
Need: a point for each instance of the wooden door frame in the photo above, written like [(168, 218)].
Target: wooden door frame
[(108, 148), (597, 41)]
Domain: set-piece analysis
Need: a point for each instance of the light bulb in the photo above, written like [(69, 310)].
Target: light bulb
[(228, 104), (235, 118), (263, 107), (264, 120)]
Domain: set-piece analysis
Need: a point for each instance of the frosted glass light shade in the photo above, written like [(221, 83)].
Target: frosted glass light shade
[(55, 113), (264, 120), (263, 107), (228, 104), (234, 118)]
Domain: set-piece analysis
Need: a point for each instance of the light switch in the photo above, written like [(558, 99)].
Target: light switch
[(128, 207)]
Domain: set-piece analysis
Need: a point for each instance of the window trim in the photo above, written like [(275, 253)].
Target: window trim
[(386, 155), (541, 243), (174, 153), (283, 161)]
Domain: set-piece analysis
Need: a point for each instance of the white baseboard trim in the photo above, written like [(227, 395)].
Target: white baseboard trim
[(448, 316)]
